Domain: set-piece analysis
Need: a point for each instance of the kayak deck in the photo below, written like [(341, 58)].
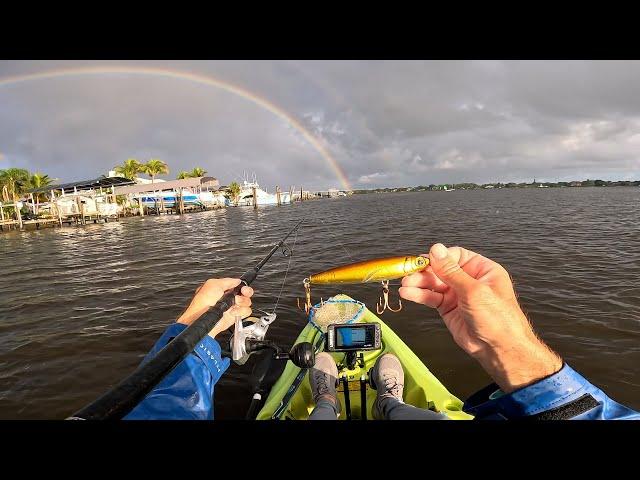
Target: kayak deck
[(422, 389)]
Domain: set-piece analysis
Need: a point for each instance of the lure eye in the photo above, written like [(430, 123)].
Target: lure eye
[(420, 261)]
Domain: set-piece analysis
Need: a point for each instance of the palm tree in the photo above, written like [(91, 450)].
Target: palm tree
[(198, 172), (13, 181), (39, 180), (129, 168), (182, 175), (234, 190), (155, 167)]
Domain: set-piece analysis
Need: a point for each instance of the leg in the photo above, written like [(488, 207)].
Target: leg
[(323, 377), (387, 377), (393, 409), (325, 410)]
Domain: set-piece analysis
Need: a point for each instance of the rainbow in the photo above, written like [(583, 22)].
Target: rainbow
[(199, 79)]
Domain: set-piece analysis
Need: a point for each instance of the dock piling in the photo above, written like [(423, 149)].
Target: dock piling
[(18, 214), (33, 202), (162, 209), (181, 204), (55, 207)]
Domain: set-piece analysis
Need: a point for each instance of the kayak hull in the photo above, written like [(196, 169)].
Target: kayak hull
[(422, 389)]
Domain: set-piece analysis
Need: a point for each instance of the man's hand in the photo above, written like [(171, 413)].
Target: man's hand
[(208, 294), (475, 298)]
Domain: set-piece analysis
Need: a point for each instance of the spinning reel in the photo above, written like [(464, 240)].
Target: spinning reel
[(248, 339)]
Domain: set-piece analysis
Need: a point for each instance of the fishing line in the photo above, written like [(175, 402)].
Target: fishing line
[(340, 243), (295, 239)]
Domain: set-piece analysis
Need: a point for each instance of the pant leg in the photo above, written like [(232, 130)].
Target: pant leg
[(325, 410), (393, 409)]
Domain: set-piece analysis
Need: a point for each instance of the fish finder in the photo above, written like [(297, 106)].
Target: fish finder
[(353, 337)]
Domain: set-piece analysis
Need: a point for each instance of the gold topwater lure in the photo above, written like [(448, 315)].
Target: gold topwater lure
[(376, 270)]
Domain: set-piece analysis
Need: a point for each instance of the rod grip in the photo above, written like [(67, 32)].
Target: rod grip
[(247, 278)]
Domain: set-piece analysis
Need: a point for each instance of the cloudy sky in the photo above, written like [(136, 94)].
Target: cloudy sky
[(382, 123)]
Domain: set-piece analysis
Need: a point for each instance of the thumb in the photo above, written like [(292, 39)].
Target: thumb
[(446, 267)]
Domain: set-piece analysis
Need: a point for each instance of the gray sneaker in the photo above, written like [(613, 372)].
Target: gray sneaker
[(323, 377), (387, 377)]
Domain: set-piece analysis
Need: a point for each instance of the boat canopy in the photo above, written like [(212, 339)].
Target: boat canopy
[(202, 182), (100, 182)]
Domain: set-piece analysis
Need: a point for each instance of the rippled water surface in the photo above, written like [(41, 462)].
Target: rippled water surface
[(80, 307)]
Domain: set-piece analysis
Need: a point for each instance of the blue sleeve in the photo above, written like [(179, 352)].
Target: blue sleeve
[(562, 396), (187, 392)]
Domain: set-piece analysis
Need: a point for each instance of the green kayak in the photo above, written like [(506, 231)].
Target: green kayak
[(290, 396)]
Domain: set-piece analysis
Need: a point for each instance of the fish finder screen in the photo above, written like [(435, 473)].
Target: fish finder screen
[(347, 337)]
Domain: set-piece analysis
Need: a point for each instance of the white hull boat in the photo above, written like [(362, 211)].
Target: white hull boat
[(264, 198)]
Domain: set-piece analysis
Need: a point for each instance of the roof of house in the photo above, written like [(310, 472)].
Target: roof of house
[(86, 184), (170, 185)]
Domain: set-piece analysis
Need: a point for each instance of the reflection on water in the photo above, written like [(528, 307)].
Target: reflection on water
[(80, 307)]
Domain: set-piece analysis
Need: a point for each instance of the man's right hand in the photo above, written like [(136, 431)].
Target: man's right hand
[(208, 294), (475, 298)]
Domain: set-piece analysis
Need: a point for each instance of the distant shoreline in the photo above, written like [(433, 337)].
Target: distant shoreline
[(489, 186)]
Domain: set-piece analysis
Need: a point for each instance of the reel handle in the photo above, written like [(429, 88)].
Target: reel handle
[(303, 355)]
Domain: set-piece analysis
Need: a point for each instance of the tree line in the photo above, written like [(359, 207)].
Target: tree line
[(15, 182), (131, 167), (475, 186)]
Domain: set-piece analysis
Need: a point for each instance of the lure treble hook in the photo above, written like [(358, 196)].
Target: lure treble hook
[(307, 291), (383, 302)]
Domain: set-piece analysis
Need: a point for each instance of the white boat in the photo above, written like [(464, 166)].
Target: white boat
[(211, 199), (170, 197), (74, 204), (264, 198)]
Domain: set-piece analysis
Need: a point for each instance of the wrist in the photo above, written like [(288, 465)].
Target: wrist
[(520, 364), (215, 330)]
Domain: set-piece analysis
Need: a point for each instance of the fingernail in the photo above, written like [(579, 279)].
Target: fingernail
[(439, 251)]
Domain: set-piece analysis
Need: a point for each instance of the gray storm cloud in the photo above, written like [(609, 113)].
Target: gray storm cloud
[(385, 123)]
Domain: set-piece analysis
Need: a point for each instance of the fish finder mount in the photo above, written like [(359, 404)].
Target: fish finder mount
[(352, 360)]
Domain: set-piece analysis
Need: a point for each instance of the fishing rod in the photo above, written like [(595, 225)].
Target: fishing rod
[(120, 400)]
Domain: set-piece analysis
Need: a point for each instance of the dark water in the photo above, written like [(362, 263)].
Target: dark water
[(79, 307)]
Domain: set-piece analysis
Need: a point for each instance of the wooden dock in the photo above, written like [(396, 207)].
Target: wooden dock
[(26, 224), (36, 224), (9, 224), (161, 209)]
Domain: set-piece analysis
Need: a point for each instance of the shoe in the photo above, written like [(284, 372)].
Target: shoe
[(387, 378), (323, 377)]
